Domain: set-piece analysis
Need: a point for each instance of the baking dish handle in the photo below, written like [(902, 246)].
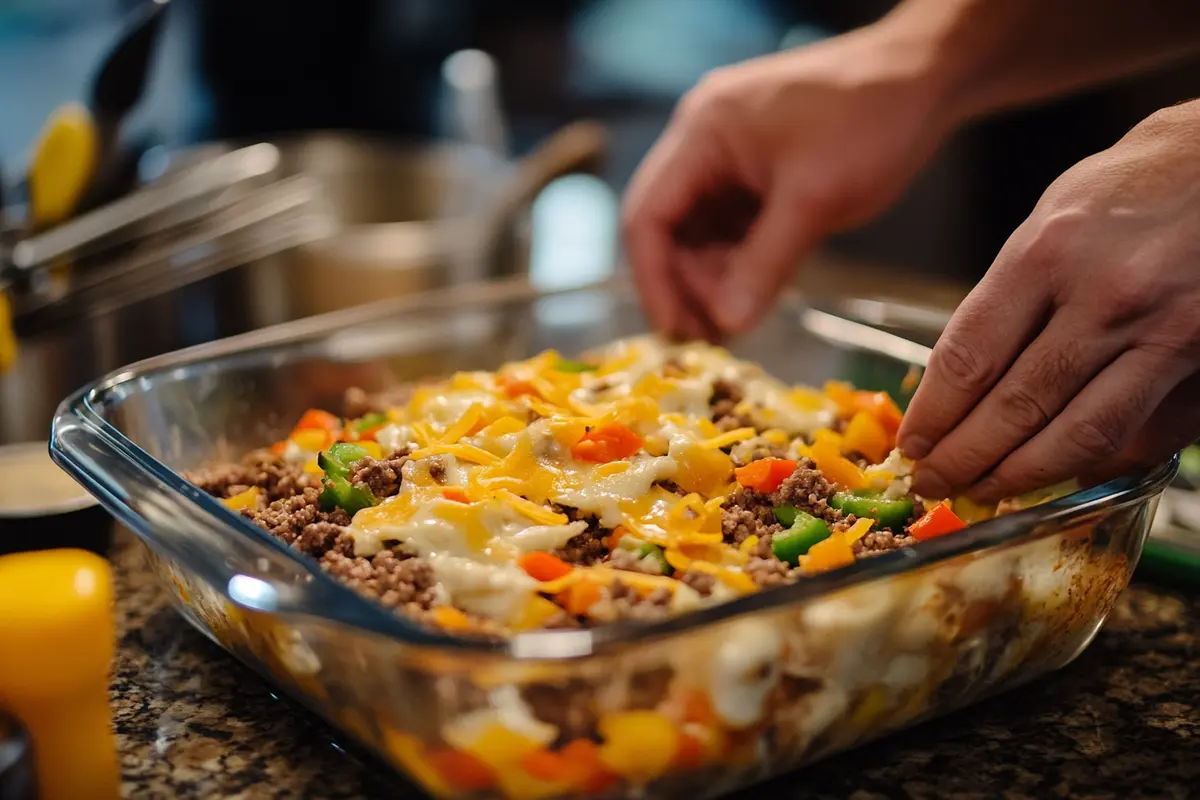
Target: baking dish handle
[(183, 525)]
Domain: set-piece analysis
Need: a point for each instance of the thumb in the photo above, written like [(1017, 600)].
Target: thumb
[(759, 268)]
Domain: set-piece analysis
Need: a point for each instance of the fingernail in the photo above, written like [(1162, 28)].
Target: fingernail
[(929, 483), (915, 447), (735, 308), (986, 491)]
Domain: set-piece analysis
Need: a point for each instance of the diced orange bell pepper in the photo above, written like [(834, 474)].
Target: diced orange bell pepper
[(842, 394), (828, 554), (865, 434), (243, 501), (691, 755), (279, 448), (937, 521), (316, 419), (461, 770), (543, 566), (638, 745), (450, 618), (881, 406), (766, 474), (457, 494), (516, 387), (581, 596), (837, 469), (610, 441), (703, 470)]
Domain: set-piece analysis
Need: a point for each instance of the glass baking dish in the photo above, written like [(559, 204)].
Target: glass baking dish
[(698, 704)]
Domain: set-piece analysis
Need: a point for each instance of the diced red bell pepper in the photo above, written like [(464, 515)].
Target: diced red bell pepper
[(765, 475), (611, 441), (937, 521)]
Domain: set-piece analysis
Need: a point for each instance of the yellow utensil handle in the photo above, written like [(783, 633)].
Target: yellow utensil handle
[(8, 339), (64, 161), (56, 649)]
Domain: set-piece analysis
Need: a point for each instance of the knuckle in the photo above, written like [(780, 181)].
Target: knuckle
[(1022, 407), (963, 365), (1134, 292), (1051, 238), (1097, 437)]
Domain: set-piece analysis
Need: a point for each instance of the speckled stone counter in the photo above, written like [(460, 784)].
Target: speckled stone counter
[(1123, 721)]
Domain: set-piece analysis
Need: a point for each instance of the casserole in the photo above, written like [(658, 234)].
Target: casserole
[(753, 687)]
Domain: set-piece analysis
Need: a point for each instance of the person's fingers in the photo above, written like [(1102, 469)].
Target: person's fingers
[(699, 274), (761, 265), (1094, 427), (669, 180), (1051, 371), (993, 324), (1171, 428)]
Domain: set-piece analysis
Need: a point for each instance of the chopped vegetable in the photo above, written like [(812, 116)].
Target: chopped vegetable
[(366, 427), (865, 434), (337, 459), (610, 441), (655, 554), (450, 618), (581, 596), (870, 503), (316, 419), (765, 475), (543, 566), (786, 515), (566, 365), (456, 494), (703, 470), (937, 521), (312, 440), (838, 469), (243, 501), (796, 541), (638, 745), (828, 554), (339, 493), (461, 770)]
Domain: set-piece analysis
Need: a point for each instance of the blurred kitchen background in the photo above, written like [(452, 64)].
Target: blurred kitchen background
[(263, 70), (230, 68)]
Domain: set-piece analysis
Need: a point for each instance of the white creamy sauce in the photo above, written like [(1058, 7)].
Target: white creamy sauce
[(746, 667), (496, 591), (604, 496)]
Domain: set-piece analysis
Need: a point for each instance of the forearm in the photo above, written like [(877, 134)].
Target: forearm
[(987, 55)]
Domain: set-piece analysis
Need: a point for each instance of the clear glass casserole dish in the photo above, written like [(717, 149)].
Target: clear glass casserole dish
[(698, 704)]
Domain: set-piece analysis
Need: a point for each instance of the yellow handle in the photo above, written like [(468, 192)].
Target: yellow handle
[(8, 339), (63, 163), (56, 649)]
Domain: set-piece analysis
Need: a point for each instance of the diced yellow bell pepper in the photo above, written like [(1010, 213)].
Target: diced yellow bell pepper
[(536, 613), (243, 501), (450, 618), (702, 470), (312, 467), (837, 469), (865, 434), (374, 449), (829, 554), (497, 746), (638, 745), (312, 440), (409, 753)]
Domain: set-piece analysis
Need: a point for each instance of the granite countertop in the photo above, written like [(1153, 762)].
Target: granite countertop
[(1122, 721)]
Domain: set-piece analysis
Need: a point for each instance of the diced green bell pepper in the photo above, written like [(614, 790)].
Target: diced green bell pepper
[(337, 459), (372, 420), (340, 493), (565, 365), (806, 531), (786, 515), (868, 503)]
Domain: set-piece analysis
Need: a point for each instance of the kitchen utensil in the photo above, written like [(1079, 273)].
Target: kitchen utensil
[(57, 631), (41, 508), (16, 761), (820, 666)]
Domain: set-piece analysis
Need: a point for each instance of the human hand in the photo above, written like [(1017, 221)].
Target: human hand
[(1078, 354), (765, 158)]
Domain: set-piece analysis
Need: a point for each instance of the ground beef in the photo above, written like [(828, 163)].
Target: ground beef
[(287, 518), (319, 538), (585, 548), (648, 687), (877, 542), (631, 605), (759, 451), (381, 477), (568, 705), (629, 561), (724, 399), (731, 422), (394, 580), (808, 490), (437, 470), (747, 513), (358, 403), (277, 478), (702, 582), (767, 572)]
